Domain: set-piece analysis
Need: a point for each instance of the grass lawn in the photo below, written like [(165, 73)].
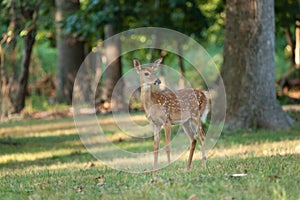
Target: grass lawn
[(45, 159)]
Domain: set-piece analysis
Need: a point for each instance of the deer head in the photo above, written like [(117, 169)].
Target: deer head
[(147, 74)]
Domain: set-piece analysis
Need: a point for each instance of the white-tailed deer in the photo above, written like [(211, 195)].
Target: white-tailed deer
[(163, 109)]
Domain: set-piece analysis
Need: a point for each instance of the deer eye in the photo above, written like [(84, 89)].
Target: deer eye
[(146, 73)]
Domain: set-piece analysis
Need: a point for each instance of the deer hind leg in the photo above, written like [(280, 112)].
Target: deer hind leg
[(167, 128), (156, 145), (202, 141), (201, 134), (188, 130)]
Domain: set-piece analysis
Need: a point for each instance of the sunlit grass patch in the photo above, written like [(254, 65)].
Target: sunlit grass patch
[(265, 149)]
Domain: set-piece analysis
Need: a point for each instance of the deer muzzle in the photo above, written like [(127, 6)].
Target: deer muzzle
[(157, 82)]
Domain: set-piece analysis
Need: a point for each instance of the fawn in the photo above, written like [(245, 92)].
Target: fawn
[(163, 109)]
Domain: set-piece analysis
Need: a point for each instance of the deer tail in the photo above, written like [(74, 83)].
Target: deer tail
[(206, 108)]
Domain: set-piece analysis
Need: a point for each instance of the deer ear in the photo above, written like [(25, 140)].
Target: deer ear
[(156, 64), (137, 65)]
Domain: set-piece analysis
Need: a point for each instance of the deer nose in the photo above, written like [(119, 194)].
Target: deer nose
[(157, 82)]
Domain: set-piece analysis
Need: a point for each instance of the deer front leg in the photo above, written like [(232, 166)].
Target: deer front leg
[(156, 145), (167, 128)]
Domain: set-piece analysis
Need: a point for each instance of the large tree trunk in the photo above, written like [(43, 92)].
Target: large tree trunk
[(70, 52), (248, 68), (113, 72)]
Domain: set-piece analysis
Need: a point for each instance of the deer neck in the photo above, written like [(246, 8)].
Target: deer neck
[(146, 92)]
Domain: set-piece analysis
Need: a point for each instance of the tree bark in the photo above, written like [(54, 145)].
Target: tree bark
[(70, 52), (181, 82), (29, 40), (8, 47), (30, 14), (4, 83), (297, 44), (12, 28), (113, 72), (248, 68)]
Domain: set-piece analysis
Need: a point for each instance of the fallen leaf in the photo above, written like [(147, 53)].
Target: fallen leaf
[(193, 197), (155, 181), (89, 165), (77, 152), (79, 188), (274, 176), (100, 181), (228, 198)]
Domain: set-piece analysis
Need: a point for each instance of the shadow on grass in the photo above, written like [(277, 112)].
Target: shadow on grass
[(11, 145), (19, 131)]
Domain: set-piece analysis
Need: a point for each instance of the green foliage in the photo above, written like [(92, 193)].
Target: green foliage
[(88, 23), (25, 13), (18, 17), (287, 12), (214, 12), (46, 56), (4, 17)]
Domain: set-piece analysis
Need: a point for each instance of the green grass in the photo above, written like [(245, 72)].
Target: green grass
[(45, 159)]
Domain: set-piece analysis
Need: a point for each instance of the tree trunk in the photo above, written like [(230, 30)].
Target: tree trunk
[(181, 82), (248, 68), (4, 83), (70, 52), (30, 14), (297, 45), (113, 72), (9, 44), (29, 40), (12, 28)]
